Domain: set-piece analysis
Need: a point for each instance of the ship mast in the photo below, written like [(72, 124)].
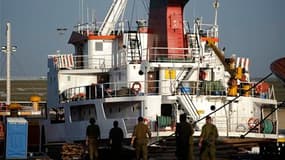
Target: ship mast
[(216, 6)]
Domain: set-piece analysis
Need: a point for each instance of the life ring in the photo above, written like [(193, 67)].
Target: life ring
[(136, 87), (252, 122)]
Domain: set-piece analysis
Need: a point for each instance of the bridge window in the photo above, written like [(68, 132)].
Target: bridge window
[(99, 46), (83, 112), (122, 109), (56, 115)]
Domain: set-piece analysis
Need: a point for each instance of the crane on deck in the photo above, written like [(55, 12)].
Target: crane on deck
[(116, 10), (221, 57)]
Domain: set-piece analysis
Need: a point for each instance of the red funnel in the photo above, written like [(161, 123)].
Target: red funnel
[(278, 68)]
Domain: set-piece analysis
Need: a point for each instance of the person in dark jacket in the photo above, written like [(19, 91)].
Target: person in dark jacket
[(184, 139), (92, 138), (116, 137)]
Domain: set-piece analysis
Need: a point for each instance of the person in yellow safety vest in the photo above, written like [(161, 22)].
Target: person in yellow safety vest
[(207, 142), (140, 139)]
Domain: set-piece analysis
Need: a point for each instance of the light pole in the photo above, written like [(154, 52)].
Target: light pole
[(8, 49)]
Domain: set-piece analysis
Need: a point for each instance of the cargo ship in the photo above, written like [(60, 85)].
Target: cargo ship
[(160, 69)]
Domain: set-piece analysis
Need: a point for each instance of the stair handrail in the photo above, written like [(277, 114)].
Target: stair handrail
[(177, 80), (191, 104)]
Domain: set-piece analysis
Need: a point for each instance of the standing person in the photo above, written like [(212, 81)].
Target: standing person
[(140, 134), (92, 138), (116, 137), (184, 139), (207, 142)]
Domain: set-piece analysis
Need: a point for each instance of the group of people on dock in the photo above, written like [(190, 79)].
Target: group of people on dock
[(141, 135), (116, 137), (185, 141)]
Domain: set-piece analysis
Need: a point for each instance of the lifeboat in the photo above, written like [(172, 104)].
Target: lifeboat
[(278, 68)]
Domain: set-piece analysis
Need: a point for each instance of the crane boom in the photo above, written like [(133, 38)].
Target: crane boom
[(221, 57), (112, 17)]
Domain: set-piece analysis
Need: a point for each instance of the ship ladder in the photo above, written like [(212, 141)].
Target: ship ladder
[(134, 46), (186, 101)]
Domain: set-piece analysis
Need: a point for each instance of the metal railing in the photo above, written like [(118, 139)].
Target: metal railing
[(124, 89)]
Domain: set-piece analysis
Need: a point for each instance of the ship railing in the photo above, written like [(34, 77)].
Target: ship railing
[(126, 89), (204, 88), (205, 30), (27, 109), (157, 87), (95, 91), (102, 90), (93, 28), (170, 55), (239, 123), (86, 28), (258, 91), (216, 88), (178, 55), (70, 61), (116, 89)]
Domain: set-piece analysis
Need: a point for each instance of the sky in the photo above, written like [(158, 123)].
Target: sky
[(247, 28)]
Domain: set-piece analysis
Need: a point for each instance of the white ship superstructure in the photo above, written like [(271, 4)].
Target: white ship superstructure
[(158, 71)]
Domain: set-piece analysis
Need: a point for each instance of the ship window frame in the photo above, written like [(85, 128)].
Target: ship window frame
[(84, 115), (56, 115), (98, 46), (121, 109)]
